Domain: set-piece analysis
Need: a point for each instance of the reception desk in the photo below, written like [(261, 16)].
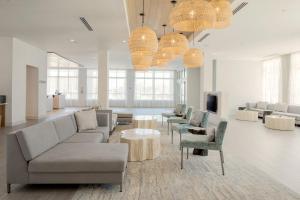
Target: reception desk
[(2, 114)]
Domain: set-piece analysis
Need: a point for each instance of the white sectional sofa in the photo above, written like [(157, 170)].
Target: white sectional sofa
[(277, 109), (54, 152)]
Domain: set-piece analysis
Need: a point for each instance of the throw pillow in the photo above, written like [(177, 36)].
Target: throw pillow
[(262, 105), (196, 119), (178, 109), (281, 107), (86, 120)]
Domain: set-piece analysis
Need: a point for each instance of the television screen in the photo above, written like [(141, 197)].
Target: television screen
[(212, 103)]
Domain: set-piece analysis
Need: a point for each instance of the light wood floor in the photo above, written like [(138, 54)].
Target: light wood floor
[(259, 163)]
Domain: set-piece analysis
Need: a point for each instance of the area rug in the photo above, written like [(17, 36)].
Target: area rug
[(162, 178)]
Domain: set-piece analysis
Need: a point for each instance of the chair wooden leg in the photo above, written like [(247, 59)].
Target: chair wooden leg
[(222, 162), (179, 139), (168, 128), (8, 188), (162, 120), (181, 157), (187, 153)]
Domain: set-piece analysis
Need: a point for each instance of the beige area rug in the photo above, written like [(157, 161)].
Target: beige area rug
[(162, 179)]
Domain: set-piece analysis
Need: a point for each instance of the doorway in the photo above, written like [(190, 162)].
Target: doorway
[(32, 92)]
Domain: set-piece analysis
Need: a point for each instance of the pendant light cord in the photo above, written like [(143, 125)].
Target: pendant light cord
[(143, 14), (174, 4)]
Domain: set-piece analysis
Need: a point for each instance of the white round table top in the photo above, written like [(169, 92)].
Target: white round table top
[(139, 133), (279, 117), (143, 117)]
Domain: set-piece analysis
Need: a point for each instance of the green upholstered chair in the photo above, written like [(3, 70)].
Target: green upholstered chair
[(180, 120), (179, 110), (205, 141), (183, 128)]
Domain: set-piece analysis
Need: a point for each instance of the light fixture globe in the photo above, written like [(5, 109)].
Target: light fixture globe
[(141, 61), (174, 43), (223, 13), (192, 16), (193, 58), (143, 40)]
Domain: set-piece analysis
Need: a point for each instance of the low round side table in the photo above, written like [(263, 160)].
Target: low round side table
[(144, 144), (247, 115), (199, 131), (144, 121), (278, 122)]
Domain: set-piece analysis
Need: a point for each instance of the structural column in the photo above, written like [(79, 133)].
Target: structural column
[(103, 65)]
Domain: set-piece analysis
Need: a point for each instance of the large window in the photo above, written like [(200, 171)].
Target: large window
[(117, 84), (62, 77), (154, 85), (295, 79), (92, 84), (271, 80)]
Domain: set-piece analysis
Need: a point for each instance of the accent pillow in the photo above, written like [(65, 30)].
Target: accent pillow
[(281, 107), (196, 119), (178, 109), (86, 120), (262, 105)]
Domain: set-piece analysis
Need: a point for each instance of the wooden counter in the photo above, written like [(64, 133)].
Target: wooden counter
[(2, 114)]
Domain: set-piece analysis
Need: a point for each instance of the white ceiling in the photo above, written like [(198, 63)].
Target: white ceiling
[(263, 28), (51, 24)]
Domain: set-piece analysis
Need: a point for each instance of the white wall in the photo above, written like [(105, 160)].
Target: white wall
[(5, 73), (205, 78), (23, 55), (239, 82), (193, 88)]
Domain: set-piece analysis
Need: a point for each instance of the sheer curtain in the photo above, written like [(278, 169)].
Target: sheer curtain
[(294, 92), (271, 80), (117, 88), (62, 76), (154, 89), (92, 87)]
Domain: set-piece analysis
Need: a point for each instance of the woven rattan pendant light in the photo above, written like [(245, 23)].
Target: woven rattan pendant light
[(142, 44), (223, 13), (194, 57), (193, 16), (174, 43)]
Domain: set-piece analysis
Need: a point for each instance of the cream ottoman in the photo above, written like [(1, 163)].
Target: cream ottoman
[(282, 123), (247, 115), (144, 144)]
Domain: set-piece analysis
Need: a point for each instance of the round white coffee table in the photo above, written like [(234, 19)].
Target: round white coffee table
[(247, 115), (144, 144), (145, 122), (282, 123)]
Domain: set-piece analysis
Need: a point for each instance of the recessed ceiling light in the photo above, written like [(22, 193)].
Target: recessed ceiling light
[(72, 40), (124, 41)]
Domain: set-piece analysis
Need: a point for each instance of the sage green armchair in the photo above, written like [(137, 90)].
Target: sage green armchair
[(205, 141), (179, 110), (180, 120), (201, 121)]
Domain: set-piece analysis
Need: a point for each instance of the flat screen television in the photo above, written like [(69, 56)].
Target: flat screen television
[(212, 103)]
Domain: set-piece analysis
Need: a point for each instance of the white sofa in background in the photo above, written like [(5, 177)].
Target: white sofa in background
[(277, 109)]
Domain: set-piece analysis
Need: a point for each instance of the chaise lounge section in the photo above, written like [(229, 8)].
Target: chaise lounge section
[(54, 152)]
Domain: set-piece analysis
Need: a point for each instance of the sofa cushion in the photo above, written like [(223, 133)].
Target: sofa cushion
[(86, 120), (86, 138), (64, 127), (262, 105), (294, 109), (37, 139), (281, 107), (81, 158), (271, 106), (103, 130), (196, 118)]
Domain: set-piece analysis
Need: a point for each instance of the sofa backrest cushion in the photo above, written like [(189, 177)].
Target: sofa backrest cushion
[(37, 139), (281, 107), (65, 127), (294, 109), (86, 120), (262, 105), (271, 106)]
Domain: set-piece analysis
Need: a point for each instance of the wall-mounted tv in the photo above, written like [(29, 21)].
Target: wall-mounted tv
[(212, 103)]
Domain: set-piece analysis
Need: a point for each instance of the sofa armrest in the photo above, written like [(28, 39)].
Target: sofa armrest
[(103, 119)]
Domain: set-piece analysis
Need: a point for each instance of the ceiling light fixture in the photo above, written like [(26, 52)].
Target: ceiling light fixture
[(193, 16), (194, 57), (223, 13), (142, 42)]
